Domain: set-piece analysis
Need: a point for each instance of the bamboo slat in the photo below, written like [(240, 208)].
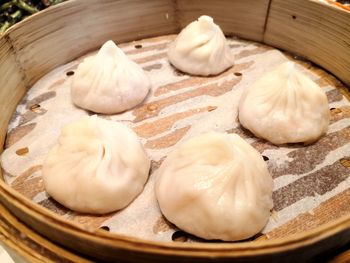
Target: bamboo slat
[(245, 19), (70, 30), (316, 31), (12, 85)]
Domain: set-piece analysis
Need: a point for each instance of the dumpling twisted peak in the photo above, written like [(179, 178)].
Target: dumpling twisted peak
[(97, 166), (201, 49), (215, 186), (109, 82), (285, 106)]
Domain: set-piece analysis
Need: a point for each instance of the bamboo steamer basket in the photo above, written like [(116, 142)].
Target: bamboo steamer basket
[(57, 35)]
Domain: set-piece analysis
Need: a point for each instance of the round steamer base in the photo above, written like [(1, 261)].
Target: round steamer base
[(179, 107), (311, 192)]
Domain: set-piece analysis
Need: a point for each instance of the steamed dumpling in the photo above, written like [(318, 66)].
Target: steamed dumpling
[(285, 106), (215, 186), (201, 49), (109, 82), (97, 166)]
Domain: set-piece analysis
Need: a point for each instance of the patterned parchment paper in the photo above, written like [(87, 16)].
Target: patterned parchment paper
[(311, 184)]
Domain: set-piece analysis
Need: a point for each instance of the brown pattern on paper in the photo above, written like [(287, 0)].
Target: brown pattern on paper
[(194, 81), (159, 129), (260, 145), (334, 96), (29, 187), (241, 131), (41, 98), (306, 158), (57, 83), (326, 79), (322, 181), (255, 51), (32, 112), (233, 46), (151, 58), (329, 210), (31, 115), (322, 82), (329, 80), (178, 72), (150, 129), (17, 133), (91, 222), (162, 225), (340, 113), (54, 206), (167, 140), (155, 47), (152, 67), (141, 113)]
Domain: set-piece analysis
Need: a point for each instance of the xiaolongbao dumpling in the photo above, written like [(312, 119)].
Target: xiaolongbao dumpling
[(97, 166), (201, 49), (285, 106), (215, 186), (109, 82)]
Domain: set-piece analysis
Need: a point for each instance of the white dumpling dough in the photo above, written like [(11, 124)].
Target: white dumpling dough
[(201, 49), (215, 186), (285, 106), (97, 166), (109, 82)]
